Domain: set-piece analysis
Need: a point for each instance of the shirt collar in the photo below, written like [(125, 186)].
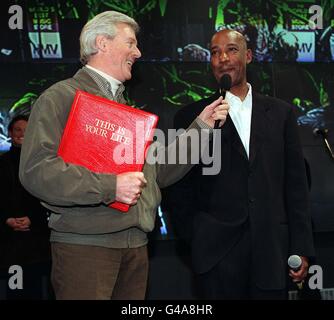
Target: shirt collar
[(114, 83), (230, 96)]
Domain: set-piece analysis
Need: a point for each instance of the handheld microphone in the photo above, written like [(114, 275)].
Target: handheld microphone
[(295, 262), (225, 84), (324, 134)]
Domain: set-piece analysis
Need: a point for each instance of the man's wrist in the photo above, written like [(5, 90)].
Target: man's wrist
[(202, 124)]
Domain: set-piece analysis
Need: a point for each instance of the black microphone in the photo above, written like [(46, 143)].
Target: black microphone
[(323, 132), (225, 84)]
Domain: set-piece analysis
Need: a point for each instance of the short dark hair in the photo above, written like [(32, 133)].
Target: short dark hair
[(15, 119)]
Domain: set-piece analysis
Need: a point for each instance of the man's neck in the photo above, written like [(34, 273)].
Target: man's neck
[(114, 83), (102, 72), (240, 91)]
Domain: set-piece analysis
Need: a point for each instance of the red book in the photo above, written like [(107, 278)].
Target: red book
[(106, 137)]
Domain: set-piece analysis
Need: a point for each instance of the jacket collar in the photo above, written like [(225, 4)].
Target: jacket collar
[(87, 83)]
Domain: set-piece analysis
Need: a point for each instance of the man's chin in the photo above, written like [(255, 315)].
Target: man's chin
[(230, 73), (17, 145), (127, 77)]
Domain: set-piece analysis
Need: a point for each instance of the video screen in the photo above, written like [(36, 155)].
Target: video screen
[(174, 30)]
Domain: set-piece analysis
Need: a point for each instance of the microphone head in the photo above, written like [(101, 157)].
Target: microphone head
[(320, 131), (294, 262), (225, 82)]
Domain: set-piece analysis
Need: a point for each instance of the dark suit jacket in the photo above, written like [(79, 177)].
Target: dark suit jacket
[(17, 247), (268, 192)]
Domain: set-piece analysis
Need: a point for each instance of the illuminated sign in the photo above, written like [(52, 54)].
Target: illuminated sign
[(306, 46), (43, 31)]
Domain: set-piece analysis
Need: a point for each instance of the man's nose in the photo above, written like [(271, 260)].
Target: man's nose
[(137, 53), (224, 56)]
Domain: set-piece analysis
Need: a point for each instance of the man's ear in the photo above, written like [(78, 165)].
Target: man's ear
[(100, 42), (249, 56)]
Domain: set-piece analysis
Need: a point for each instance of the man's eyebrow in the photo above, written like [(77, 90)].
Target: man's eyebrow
[(227, 45), (132, 39)]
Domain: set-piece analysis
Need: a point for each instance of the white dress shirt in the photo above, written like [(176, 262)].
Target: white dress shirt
[(114, 83), (241, 114)]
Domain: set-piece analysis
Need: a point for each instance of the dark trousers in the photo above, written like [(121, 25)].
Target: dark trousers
[(231, 278), (81, 272)]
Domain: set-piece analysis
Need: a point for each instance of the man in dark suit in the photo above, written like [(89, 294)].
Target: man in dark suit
[(254, 213)]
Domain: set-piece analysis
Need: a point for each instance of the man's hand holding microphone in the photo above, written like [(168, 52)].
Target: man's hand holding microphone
[(298, 269)]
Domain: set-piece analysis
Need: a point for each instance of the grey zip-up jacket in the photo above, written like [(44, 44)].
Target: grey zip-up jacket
[(78, 198)]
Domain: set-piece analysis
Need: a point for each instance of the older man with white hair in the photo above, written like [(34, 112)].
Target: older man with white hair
[(98, 252)]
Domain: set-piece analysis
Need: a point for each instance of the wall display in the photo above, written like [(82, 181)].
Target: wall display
[(291, 30)]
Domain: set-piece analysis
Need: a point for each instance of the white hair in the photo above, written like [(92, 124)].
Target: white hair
[(102, 24)]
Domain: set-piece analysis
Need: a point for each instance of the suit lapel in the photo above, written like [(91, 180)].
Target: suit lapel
[(230, 133), (259, 124)]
